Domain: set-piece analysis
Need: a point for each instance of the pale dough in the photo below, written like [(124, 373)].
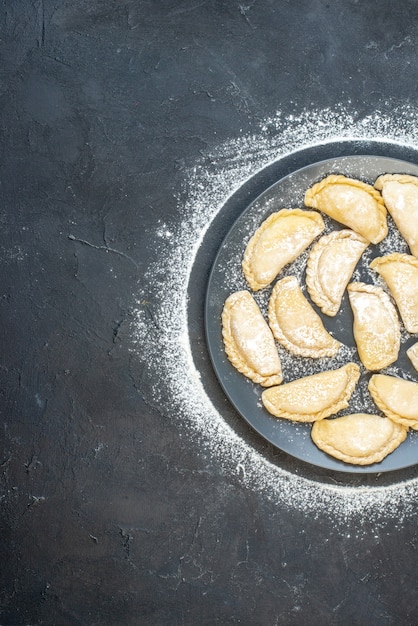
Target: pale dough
[(396, 397), (352, 203), (400, 272), (331, 263), (359, 438), (248, 340), (376, 326), (412, 354), (400, 193), (278, 241), (295, 324), (313, 397)]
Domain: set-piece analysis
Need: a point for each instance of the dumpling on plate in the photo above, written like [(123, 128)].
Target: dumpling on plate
[(331, 263), (400, 193), (376, 326), (248, 340), (295, 324), (352, 203), (412, 354), (396, 397), (359, 438), (280, 239), (400, 273), (314, 397)]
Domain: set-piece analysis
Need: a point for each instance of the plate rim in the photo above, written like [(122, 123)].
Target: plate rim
[(330, 463)]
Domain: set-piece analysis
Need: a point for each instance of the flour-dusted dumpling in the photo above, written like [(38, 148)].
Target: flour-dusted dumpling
[(331, 263), (359, 438), (295, 324), (376, 325), (248, 340), (412, 354), (352, 203), (313, 397), (400, 272), (400, 193), (396, 397), (278, 241)]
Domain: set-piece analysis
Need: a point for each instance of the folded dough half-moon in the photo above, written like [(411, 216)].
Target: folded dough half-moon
[(331, 263), (295, 324), (376, 326), (412, 354), (359, 438), (400, 273), (313, 397), (396, 397), (248, 340), (352, 203), (279, 241), (400, 193)]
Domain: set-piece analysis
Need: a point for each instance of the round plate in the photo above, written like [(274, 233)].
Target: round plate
[(226, 277)]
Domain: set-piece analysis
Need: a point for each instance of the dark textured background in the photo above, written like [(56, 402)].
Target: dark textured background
[(107, 515)]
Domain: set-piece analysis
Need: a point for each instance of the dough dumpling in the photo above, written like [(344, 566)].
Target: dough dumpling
[(400, 273), (396, 397), (412, 354), (359, 438), (295, 324), (280, 239), (248, 340), (313, 397), (352, 203), (400, 193), (376, 326), (331, 263)]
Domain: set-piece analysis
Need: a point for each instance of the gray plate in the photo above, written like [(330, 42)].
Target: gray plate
[(226, 277)]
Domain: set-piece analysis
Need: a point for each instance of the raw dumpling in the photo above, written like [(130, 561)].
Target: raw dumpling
[(400, 193), (331, 263), (295, 324), (400, 272), (359, 438), (396, 397), (352, 203), (279, 241), (376, 325), (412, 354), (313, 397), (248, 340)]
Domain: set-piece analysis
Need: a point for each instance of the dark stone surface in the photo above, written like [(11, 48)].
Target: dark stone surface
[(103, 103)]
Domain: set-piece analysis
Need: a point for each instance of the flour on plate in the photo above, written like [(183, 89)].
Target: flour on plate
[(160, 330)]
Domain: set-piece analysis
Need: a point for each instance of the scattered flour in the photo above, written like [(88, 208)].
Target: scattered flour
[(160, 330)]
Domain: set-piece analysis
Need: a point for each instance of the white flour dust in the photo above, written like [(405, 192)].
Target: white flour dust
[(161, 334)]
